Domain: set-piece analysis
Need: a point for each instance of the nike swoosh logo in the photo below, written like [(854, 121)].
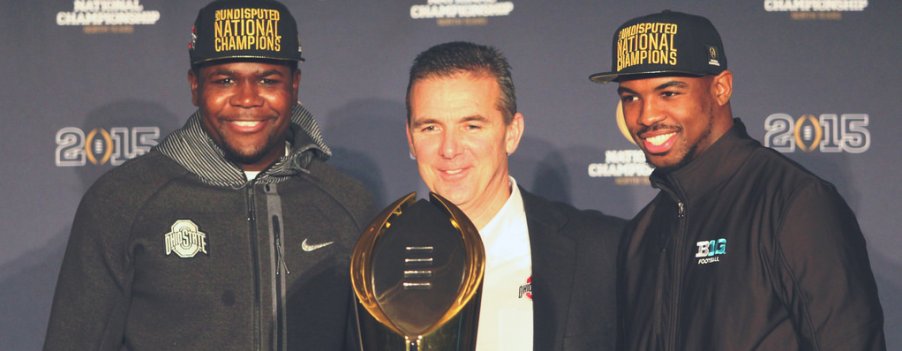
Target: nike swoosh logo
[(311, 247)]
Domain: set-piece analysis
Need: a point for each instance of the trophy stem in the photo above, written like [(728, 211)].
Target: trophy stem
[(413, 345)]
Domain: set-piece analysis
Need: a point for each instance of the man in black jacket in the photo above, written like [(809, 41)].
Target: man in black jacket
[(233, 233), (742, 249), (550, 274)]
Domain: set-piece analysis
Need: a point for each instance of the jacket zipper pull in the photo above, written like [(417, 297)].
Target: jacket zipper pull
[(277, 230), (282, 258), (681, 210)]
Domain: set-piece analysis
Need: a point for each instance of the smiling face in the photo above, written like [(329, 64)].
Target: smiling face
[(673, 119), (461, 143), (246, 108)]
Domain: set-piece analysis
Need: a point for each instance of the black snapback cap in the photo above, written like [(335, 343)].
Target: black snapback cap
[(664, 43), (244, 29)]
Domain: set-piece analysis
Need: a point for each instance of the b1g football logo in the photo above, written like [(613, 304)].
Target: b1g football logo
[(709, 251), (75, 148), (828, 132)]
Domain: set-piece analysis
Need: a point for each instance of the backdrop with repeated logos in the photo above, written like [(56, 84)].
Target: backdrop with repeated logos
[(89, 84)]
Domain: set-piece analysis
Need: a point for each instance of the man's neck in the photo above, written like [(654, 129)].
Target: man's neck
[(483, 213), (270, 160)]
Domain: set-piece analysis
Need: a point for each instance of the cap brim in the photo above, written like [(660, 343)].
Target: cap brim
[(604, 77), (246, 57), (607, 77)]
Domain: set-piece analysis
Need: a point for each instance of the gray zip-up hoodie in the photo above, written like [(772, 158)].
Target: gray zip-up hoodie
[(177, 250)]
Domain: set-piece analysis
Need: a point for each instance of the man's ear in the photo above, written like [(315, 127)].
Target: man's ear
[(722, 87), (296, 83), (194, 84), (513, 133), (410, 147)]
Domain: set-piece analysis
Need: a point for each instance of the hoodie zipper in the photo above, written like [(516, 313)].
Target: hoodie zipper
[(676, 275), (667, 327), (255, 259)]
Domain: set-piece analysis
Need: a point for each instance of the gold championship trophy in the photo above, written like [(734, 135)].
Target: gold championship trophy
[(417, 273)]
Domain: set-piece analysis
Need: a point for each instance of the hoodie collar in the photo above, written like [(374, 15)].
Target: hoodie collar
[(711, 168), (191, 147)]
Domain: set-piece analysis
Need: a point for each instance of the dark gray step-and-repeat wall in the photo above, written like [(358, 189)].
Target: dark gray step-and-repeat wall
[(87, 84)]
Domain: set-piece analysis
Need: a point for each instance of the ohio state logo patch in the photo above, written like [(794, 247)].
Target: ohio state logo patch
[(526, 289), (185, 239)]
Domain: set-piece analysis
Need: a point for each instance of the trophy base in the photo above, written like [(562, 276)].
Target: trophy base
[(458, 334)]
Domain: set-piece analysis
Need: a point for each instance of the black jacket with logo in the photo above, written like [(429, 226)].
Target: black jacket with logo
[(744, 249), (176, 250)]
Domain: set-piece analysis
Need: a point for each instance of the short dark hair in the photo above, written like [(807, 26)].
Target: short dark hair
[(444, 60)]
